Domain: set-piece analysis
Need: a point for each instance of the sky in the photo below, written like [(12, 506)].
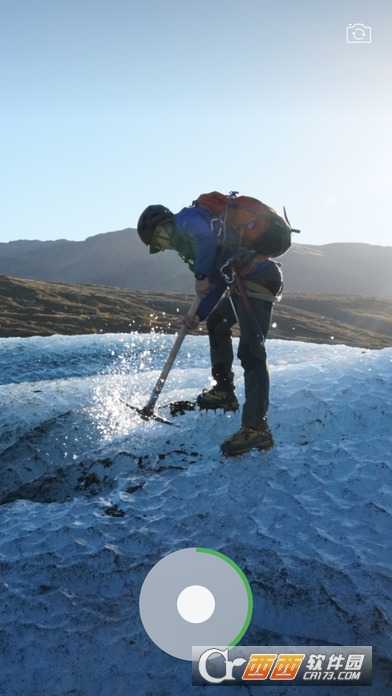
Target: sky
[(110, 105)]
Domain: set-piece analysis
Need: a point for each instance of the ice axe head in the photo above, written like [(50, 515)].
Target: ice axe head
[(147, 414)]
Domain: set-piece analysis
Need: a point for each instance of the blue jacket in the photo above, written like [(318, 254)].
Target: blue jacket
[(196, 241)]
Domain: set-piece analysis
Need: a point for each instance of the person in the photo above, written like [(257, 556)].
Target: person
[(259, 281)]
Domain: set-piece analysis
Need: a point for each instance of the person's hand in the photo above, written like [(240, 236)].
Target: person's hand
[(191, 323), (202, 287)]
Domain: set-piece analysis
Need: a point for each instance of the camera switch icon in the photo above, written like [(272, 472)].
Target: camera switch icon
[(359, 33)]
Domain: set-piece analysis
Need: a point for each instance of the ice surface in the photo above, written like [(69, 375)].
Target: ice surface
[(92, 497)]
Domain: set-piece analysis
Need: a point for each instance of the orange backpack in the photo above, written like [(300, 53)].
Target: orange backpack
[(252, 223)]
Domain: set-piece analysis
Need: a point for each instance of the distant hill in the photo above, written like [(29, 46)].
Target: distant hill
[(120, 259), (38, 308)]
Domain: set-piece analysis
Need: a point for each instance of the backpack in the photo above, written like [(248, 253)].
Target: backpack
[(247, 222)]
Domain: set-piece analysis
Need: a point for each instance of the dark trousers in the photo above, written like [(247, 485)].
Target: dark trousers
[(251, 351)]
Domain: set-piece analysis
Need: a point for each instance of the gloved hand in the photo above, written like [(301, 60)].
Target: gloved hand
[(202, 287), (243, 258), (191, 323)]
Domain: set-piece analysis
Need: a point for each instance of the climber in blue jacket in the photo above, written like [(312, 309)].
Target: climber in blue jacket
[(194, 233)]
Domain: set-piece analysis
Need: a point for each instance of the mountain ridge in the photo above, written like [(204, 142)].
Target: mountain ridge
[(39, 308), (119, 259)]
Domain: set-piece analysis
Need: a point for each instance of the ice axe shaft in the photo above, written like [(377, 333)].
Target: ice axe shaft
[(148, 409)]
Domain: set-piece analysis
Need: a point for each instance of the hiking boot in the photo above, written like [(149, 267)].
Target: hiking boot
[(247, 439), (218, 397)]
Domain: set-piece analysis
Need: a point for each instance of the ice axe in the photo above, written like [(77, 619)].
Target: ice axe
[(147, 412)]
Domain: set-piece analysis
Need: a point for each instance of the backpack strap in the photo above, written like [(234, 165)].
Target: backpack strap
[(232, 195)]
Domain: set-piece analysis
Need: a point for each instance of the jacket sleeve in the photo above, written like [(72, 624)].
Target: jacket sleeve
[(211, 300), (193, 225)]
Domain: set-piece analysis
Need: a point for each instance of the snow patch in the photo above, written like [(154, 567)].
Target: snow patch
[(92, 497)]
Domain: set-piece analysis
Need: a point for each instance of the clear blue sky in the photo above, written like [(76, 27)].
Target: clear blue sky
[(109, 105)]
